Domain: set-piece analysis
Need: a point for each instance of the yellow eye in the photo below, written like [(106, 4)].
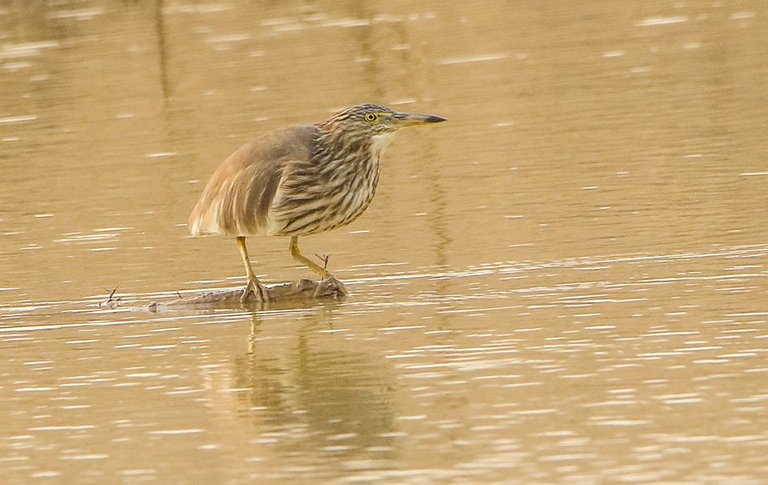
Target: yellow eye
[(370, 117)]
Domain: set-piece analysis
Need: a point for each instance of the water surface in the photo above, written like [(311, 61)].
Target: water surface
[(566, 281)]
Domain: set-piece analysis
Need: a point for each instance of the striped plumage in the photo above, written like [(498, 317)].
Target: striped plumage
[(335, 185), (300, 180)]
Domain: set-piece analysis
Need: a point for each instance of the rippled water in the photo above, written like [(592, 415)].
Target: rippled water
[(565, 282)]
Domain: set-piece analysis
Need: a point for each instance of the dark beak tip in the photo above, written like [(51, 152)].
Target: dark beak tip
[(434, 119)]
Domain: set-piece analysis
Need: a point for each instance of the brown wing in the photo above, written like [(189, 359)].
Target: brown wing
[(237, 198)]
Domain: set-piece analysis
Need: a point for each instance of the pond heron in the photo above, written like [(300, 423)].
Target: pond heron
[(299, 180)]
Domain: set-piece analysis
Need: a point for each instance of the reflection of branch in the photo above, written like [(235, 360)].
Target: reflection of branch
[(161, 48)]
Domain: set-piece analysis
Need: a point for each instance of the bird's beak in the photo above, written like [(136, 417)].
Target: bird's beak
[(408, 119)]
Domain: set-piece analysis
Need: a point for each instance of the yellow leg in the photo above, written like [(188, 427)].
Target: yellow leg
[(329, 281), (253, 285), (306, 262)]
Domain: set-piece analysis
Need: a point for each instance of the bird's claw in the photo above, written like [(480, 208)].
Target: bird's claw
[(260, 293)]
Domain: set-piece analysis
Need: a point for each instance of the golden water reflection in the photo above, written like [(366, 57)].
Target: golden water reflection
[(326, 401)]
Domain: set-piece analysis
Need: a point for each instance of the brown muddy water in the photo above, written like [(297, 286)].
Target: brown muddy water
[(565, 282)]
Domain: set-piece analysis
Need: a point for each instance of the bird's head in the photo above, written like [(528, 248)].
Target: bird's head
[(371, 120)]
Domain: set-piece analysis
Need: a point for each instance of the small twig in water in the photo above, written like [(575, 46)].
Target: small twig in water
[(324, 258), (111, 300)]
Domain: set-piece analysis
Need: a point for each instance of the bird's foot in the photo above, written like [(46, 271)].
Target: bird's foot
[(260, 293), (330, 286)]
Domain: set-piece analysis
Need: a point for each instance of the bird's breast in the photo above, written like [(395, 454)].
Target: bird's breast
[(326, 196)]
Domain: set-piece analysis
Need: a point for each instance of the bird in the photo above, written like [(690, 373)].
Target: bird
[(299, 180)]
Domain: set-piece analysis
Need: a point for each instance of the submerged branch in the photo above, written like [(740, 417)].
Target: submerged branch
[(279, 295)]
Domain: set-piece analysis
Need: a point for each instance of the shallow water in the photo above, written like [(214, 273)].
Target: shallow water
[(567, 281)]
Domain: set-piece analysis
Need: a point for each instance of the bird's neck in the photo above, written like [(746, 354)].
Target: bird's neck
[(338, 146), (379, 143)]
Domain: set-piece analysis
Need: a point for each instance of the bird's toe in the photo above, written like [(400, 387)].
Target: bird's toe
[(259, 292)]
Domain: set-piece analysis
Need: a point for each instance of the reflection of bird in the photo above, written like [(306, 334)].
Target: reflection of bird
[(299, 180)]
